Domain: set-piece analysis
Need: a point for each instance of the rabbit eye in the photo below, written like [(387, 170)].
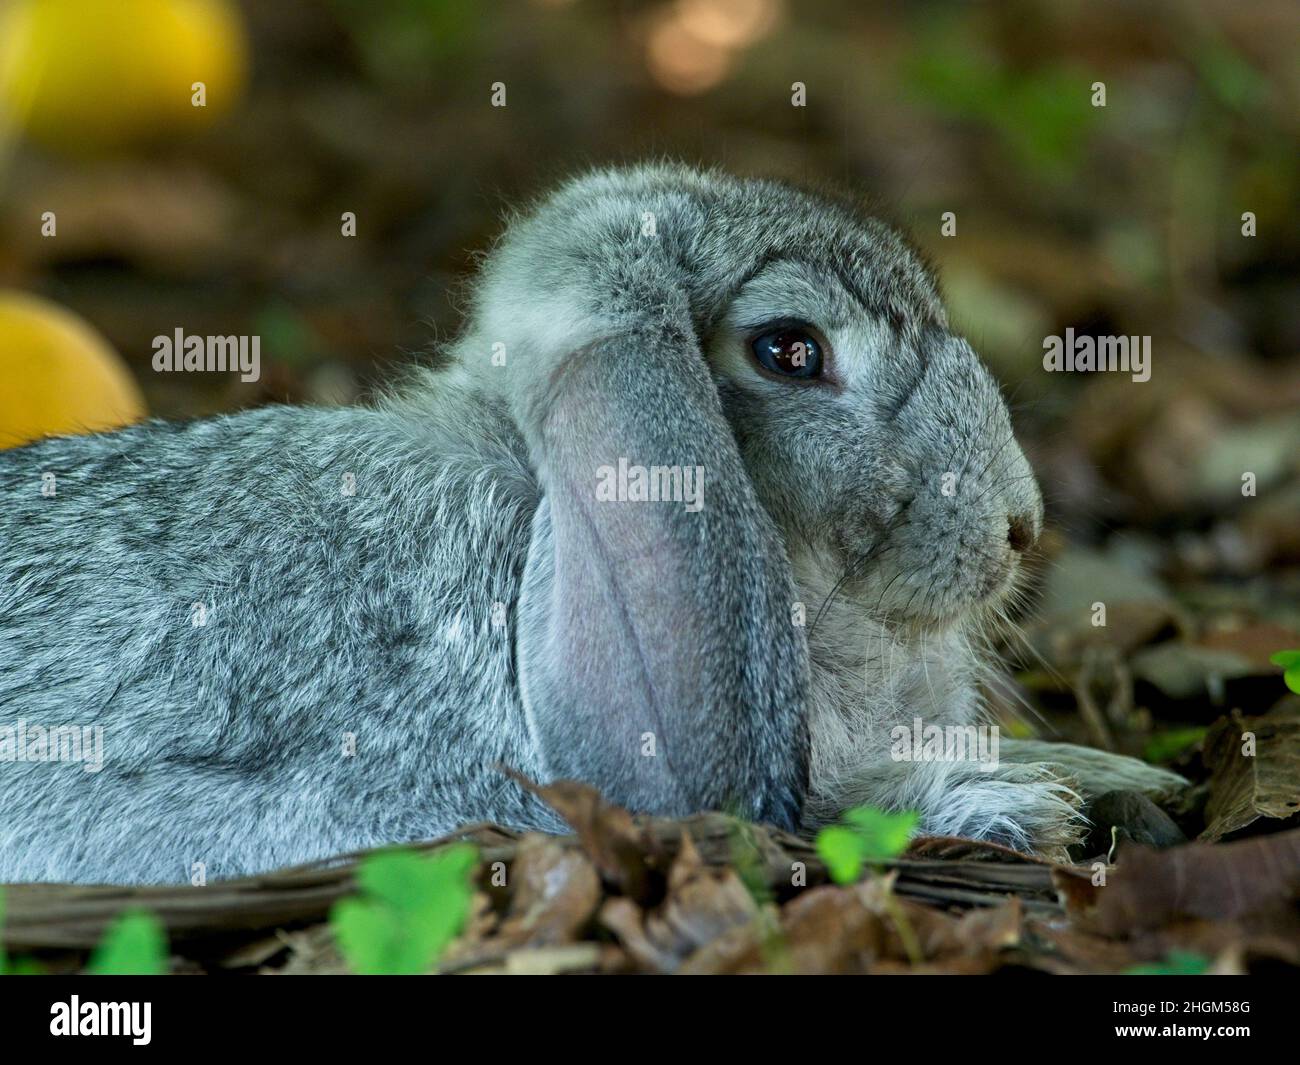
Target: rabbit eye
[(791, 352)]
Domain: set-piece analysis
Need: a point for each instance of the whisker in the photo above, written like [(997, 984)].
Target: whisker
[(875, 551)]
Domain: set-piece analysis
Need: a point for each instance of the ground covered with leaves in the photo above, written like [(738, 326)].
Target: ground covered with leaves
[(707, 894)]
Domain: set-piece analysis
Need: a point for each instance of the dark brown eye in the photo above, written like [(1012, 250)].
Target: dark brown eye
[(790, 352)]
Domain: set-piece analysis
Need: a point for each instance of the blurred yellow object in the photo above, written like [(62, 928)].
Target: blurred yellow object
[(86, 74), (57, 375)]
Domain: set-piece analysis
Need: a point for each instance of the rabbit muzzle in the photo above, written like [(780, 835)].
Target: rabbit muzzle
[(956, 545)]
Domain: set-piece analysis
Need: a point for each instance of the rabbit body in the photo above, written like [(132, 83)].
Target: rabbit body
[(283, 670), (309, 631)]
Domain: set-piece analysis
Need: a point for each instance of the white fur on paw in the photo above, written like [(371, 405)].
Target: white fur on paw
[(1026, 807)]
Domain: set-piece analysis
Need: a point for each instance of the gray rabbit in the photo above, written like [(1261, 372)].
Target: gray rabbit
[(705, 505)]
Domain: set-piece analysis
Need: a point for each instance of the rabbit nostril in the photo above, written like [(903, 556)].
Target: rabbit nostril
[(1020, 533)]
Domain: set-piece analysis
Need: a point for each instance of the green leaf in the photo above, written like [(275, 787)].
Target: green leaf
[(869, 837), (1290, 663), (133, 945), (369, 936), (411, 906), (884, 835), (842, 851), (1177, 963)]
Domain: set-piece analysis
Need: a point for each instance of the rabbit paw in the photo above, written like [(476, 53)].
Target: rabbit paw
[(1028, 807)]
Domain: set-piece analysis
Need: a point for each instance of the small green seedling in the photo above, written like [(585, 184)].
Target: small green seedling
[(1290, 663), (1177, 963), (133, 945), (870, 836), (410, 908)]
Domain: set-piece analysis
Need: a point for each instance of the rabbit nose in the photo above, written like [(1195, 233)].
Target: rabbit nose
[(1020, 533)]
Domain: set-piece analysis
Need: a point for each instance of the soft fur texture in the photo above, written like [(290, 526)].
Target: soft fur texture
[(471, 604)]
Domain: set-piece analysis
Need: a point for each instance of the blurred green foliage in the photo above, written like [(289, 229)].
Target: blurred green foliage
[(1041, 117), (411, 906), (135, 944), (1178, 963), (408, 42), (1167, 745)]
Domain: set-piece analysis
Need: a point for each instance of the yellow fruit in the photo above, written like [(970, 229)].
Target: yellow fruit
[(99, 73), (57, 375)]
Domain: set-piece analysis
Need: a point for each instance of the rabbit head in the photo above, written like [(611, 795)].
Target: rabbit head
[(874, 437), (791, 354)]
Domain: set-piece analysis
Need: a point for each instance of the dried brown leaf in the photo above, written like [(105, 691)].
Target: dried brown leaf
[(1247, 786), (556, 892), (622, 851), (703, 903), (830, 930), (1148, 889)]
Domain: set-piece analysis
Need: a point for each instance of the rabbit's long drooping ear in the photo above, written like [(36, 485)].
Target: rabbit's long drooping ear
[(656, 651)]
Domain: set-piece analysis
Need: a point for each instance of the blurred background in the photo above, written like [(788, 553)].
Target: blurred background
[(1118, 219)]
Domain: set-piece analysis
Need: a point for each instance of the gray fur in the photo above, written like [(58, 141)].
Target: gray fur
[(471, 606)]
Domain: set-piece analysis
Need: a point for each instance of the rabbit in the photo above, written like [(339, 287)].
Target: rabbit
[(305, 632)]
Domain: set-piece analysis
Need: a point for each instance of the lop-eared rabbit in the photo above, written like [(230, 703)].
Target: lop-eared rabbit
[(704, 504)]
